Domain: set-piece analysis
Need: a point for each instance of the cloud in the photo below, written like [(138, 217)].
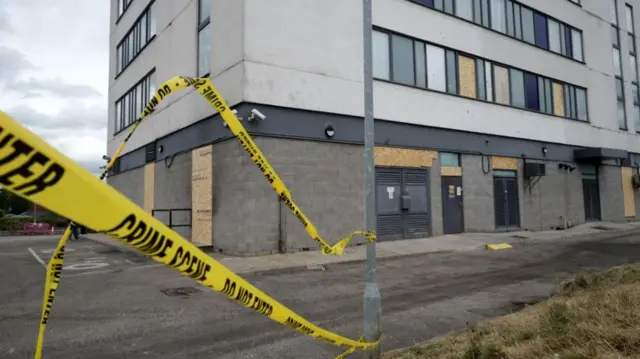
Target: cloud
[(5, 19), (13, 64)]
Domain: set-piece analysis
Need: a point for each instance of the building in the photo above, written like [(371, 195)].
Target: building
[(491, 115)]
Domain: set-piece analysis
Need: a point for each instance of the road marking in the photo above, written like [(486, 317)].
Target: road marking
[(114, 270), (37, 257)]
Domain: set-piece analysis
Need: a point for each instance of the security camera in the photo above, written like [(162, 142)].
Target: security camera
[(235, 113), (255, 113), (106, 158)]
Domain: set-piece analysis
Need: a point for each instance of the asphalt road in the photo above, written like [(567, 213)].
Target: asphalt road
[(118, 309)]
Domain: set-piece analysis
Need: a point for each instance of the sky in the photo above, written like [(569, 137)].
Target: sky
[(54, 68)]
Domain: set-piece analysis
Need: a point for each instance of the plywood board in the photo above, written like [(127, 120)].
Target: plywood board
[(467, 74), (558, 99), (404, 157), (501, 84), (627, 192), (504, 163), (202, 196), (451, 171), (149, 187)]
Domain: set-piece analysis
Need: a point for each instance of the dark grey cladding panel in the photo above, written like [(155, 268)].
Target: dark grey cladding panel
[(133, 159), (301, 124)]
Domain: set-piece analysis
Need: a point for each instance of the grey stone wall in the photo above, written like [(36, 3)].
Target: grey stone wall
[(611, 196), (325, 180), (130, 184), (477, 190), (545, 200), (173, 191)]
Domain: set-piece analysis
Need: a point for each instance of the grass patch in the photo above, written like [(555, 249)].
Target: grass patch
[(594, 316)]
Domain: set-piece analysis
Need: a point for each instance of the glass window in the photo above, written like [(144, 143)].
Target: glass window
[(402, 60), (464, 9), (619, 90), (152, 85), (634, 68), (452, 78), (139, 103), (204, 10), (118, 59), (570, 101), (517, 88), (576, 41), (554, 36), (380, 48), (636, 97), (616, 62), (629, 12), (439, 4), (120, 7), (636, 117), (448, 6), (632, 43), (204, 51), (517, 20), (477, 11), (488, 76), (485, 13), (510, 20), (144, 35), (541, 31), (152, 21), (480, 80), (549, 96), (498, 21), (581, 102), (544, 106), (436, 68), (449, 159), (118, 115), (501, 84), (421, 65), (126, 110), (528, 33), (613, 12), (622, 120), (568, 40), (532, 101), (615, 39)]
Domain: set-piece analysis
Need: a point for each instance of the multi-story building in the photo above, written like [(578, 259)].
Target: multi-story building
[(491, 115)]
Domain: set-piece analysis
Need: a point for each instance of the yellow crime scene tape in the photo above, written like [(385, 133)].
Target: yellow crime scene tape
[(53, 183)]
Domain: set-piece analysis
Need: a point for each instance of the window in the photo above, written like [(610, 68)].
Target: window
[(449, 159), (129, 107), (140, 34), (381, 55), (631, 40), (204, 37), (123, 5), (404, 60), (617, 66), (515, 20), (616, 62), (629, 14)]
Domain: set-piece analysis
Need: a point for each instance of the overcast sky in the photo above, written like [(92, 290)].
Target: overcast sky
[(54, 68)]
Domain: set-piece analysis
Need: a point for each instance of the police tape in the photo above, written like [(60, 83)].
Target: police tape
[(211, 94), (31, 168), (54, 267)]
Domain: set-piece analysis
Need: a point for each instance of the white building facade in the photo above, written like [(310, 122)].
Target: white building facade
[(491, 115)]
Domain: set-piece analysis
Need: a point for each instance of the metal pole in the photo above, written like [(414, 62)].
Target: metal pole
[(371, 296)]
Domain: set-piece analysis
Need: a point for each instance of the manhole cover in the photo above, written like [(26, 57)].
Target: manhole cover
[(519, 236), (180, 291)]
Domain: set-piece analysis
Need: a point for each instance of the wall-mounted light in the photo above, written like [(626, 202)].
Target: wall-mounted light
[(544, 150), (160, 148), (329, 131)]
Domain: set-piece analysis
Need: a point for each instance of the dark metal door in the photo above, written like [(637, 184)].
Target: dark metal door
[(505, 194), (591, 194), (415, 202), (402, 203), (452, 205)]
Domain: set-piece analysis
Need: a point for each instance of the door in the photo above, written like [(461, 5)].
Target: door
[(402, 203), (591, 192), (452, 205), (506, 203)]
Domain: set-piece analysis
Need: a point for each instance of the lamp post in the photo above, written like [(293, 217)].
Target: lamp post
[(371, 296)]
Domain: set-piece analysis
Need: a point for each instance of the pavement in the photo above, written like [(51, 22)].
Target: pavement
[(277, 263), (133, 309)]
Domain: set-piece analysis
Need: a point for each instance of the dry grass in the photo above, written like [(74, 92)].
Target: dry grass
[(595, 315)]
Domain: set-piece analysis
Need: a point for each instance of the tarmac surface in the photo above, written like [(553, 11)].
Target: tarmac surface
[(113, 304)]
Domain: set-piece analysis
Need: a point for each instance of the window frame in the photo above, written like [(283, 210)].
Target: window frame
[(128, 108), (131, 44), (120, 11), (517, 19), (489, 66), (203, 26)]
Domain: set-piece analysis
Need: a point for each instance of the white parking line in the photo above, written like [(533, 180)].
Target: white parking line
[(113, 270), (37, 257)]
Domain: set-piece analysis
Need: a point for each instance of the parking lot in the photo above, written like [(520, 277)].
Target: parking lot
[(112, 304)]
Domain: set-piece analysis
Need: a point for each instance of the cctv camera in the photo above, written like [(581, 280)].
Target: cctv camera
[(106, 158), (255, 113)]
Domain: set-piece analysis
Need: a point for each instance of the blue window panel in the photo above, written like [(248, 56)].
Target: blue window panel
[(532, 102), (567, 40), (542, 31), (428, 3)]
